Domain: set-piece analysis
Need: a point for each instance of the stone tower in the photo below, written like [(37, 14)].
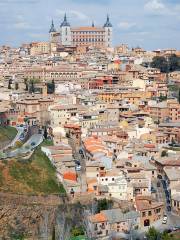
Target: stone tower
[(52, 32), (108, 32), (65, 32)]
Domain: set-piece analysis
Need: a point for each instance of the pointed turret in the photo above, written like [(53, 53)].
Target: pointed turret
[(65, 32), (93, 24), (52, 29), (108, 32), (65, 22), (108, 23)]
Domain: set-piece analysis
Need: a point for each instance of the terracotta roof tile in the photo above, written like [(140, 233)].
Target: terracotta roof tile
[(100, 217)]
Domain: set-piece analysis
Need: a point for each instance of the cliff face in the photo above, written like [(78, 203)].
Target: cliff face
[(37, 217), (30, 221)]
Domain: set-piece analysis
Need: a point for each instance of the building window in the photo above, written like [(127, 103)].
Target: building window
[(143, 214), (149, 213)]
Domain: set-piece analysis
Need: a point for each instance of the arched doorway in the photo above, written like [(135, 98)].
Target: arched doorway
[(146, 223)]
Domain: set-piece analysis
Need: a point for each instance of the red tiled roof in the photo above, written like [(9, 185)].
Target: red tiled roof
[(71, 126), (146, 203), (149, 145), (70, 176), (100, 217)]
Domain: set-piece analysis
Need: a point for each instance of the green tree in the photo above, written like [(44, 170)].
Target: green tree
[(77, 231), (45, 132), (54, 234), (26, 84), (162, 98), (103, 204), (51, 87), (16, 86), (174, 63), (166, 236), (32, 83), (153, 234), (9, 83), (179, 96), (32, 88), (164, 153), (161, 63)]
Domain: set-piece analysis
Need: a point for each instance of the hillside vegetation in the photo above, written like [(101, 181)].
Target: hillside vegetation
[(7, 133), (36, 176)]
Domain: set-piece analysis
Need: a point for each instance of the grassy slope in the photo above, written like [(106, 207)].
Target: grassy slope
[(176, 236), (7, 133), (37, 176)]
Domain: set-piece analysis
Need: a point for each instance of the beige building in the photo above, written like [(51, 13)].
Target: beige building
[(39, 48), (150, 210), (36, 107), (62, 114), (82, 36)]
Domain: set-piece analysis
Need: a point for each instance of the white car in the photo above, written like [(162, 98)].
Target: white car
[(78, 168), (164, 221)]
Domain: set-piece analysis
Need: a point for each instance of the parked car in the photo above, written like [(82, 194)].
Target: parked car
[(159, 176), (167, 193), (176, 145), (33, 144), (164, 221), (81, 151), (153, 190), (78, 168), (176, 228), (168, 208), (169, 230), (77, 162)]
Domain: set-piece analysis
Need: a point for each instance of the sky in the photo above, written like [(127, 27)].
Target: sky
[(151, 24)]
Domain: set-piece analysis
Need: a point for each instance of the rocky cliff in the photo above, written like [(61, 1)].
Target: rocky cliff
[(49, 217)]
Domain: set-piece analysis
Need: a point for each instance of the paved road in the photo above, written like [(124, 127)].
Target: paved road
[(32, 143), (17, 137), (81, 174)]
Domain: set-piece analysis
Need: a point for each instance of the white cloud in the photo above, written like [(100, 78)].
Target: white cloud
[(72, 13), (156, 7), (21, 25), (126, 25), (79, 15)]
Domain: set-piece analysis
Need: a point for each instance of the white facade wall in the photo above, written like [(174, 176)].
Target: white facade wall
[(66, 36), (108, 36)]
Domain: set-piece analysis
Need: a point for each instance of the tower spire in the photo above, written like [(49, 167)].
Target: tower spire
[(52, 28), (65, 17), (93, 24), (65, 22), (108, 23)]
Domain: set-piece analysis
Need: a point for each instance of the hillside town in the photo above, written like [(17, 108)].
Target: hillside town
[(111, 118)]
